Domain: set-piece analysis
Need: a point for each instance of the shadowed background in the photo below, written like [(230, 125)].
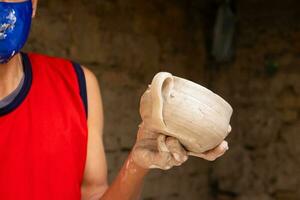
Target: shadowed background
[(125, 42)]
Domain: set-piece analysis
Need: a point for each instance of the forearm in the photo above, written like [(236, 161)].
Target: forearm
[(128, 184)]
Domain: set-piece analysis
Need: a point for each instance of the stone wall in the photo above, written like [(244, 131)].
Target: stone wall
[(125, 42), (263, 84)]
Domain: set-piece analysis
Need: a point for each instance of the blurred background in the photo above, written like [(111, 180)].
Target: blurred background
[(248, 51)]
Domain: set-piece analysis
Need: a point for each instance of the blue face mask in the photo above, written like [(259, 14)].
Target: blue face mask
[(15, 23)]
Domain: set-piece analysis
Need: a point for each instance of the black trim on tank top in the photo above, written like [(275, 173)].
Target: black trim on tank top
[(82, 85), (24, 89)]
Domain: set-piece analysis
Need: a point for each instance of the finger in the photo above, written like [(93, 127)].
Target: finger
[(216, 152), (166, 160), (161, 143), (147, 155), (177, 150), (162, 160), (144, 152), (213, 154), (229, 129), (144, 133)]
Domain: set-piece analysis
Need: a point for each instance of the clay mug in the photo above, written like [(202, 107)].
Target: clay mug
[(180, 108)]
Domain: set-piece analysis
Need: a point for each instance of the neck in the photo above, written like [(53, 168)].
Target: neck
[(11, 74)]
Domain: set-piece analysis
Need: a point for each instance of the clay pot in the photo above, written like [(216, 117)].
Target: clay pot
[(194, 115)]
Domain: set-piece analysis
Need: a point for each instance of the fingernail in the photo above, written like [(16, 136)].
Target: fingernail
[(229, 129), (177, 157), (185, 158), (153, 167), (225, 146)]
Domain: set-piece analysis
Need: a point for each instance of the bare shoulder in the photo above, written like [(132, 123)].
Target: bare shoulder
[(95, 110), (90, 77), (93, 90)]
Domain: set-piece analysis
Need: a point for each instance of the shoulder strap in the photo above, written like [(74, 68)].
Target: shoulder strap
[(82, 84)]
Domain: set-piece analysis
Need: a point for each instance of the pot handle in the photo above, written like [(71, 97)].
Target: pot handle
[(159, 92)]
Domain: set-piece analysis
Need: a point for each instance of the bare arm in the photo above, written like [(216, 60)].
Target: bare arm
[(128, 183), (95, 175)]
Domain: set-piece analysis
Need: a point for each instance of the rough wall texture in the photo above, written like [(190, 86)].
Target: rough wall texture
[(125, 42), (263, 162)]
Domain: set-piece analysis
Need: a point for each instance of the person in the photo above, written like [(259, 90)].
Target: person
[(51, 126)]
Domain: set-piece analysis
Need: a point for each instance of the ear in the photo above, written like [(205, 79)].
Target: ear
[(34, 6)]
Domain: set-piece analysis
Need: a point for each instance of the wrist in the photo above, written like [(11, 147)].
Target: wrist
[(135, 167)]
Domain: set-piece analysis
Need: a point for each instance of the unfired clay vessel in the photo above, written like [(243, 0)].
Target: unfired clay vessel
[(194, 115)]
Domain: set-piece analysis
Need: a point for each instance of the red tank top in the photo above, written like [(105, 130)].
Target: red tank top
[(43, 133)]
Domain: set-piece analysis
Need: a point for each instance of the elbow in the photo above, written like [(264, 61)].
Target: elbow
[(93, 191)]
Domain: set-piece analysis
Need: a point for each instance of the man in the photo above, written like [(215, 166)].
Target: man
[(51, 123)]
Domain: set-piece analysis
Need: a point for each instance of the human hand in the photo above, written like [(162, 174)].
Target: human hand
[(155, 150)]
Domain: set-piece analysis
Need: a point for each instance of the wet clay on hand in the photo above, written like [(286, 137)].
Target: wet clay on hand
[(182, 109), (154, 150)]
